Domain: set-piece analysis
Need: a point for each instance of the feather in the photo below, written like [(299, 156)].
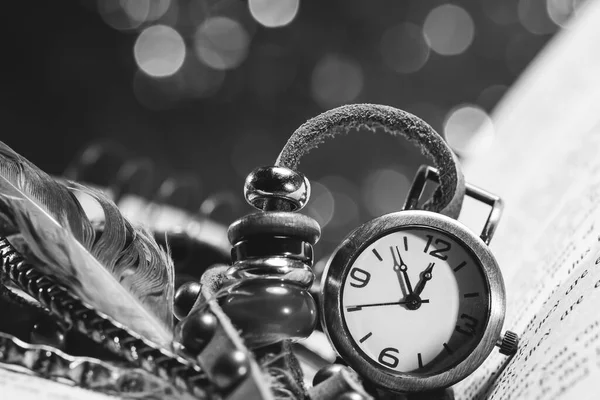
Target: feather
[(121, 272)]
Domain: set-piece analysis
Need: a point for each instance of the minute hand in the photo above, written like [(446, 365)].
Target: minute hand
[(360, 306), (401, 267)]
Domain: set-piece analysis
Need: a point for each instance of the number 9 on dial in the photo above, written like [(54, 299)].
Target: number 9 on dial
[(413, 301)]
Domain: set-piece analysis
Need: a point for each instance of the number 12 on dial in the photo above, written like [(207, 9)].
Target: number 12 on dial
[(408, 297), (406, 307)]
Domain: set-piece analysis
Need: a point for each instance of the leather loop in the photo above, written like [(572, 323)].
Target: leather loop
[(447, 198)]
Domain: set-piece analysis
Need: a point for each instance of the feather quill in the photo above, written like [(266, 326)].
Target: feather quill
[(121, 272)]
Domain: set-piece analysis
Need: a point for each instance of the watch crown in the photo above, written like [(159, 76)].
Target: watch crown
[(509, 343)]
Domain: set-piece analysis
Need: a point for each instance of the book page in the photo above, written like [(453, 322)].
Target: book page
[(544, 163)]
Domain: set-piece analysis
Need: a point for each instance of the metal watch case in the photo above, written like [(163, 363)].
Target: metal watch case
[(342, 259)]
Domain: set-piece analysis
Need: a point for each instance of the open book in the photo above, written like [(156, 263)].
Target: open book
[(544, 163)]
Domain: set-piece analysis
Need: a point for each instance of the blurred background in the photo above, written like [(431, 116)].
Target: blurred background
[(210, 89)]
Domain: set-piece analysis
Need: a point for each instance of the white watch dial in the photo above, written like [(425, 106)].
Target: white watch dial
[(415, 300)]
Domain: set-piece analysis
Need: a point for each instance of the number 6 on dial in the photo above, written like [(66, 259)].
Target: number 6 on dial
[(413, 300)]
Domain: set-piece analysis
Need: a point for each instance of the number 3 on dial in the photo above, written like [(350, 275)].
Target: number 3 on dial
[(413, 301), (413, 298)]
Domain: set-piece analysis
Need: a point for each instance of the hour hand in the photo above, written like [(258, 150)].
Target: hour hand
[(425, 277), (401, 270)]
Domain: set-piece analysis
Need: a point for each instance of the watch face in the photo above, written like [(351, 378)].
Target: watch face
[(415, 300)]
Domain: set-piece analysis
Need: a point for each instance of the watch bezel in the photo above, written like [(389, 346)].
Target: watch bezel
[(331, 303)]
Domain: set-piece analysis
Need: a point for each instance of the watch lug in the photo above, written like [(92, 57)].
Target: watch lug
[(428, 173)]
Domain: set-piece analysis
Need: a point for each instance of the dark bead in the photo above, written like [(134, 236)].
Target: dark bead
[(185, 297), (289, 224), (268, 311), (196, 330), (229, 369), (352, 396), (327, 372), (276, 189), (48, 332)]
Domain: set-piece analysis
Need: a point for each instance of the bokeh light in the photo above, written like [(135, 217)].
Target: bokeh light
[(449, 29), (157, 9), (403, 48), (274, 13), (345, 195), (131, 14), (500, 12), (384, 191), (254, 70), (321, 205), (336, 80), (468, 129), (490, 96), (221, 43), (560, 11), (199, 80), (137, 10), (115, 15), (159, 51), (533, 15)]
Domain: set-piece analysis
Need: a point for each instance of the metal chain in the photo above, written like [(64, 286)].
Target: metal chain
[(182, 373), (84, 372)]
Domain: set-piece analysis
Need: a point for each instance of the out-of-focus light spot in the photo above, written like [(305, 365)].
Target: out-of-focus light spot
[(221, 43), (274, 13), (384, 191), (321, 204), (501, 12), (116, 16), (158, 8), (404, 49), (468, 129), (449, 29), (489, 97), (137, 10), (144, 10), (199, 80), (533, 15), (156, 94), (346, 211), (159, 51), (560, 11), (336, 80), (249, 150)]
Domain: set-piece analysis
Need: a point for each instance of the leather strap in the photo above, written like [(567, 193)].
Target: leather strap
[(447, 198)]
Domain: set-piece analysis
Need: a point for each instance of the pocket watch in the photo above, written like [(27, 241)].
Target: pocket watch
[(414, 301)]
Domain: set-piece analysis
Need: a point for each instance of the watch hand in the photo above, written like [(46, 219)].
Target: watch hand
[(401, 271), (404, 269), (425, 276), (361, 306)]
